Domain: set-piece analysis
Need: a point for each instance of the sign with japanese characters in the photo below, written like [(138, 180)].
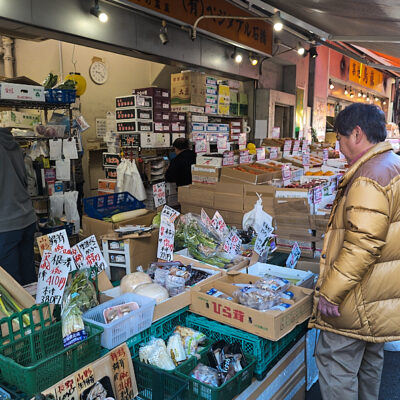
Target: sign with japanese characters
[(219, 224), (232, 244), (170, 213), (52, 277), (222, 142), (205, 218), (256, 34), (66, 389), (91, 253), (365, 75), (56, 242), (228, 158), (166, 236), (287, 147), (286, 175), (159, 194), (200, 144), (293, 256), (263, 238), (244, 157), (296, 147), (120, 358), (78, 258), (273, 154), (325, 154), (260, 153)]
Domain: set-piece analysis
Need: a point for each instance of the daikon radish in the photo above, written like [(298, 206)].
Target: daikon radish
[(128, 215)]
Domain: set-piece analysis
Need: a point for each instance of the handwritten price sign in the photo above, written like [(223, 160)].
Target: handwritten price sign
[(219, 224), (166, 236), (170, 213), (52, 277), (159, 194), (263, 238), (293, 256), (91, 253), (233, 244), (56, 242)]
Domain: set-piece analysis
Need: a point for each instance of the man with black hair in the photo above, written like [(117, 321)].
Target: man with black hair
[(357, 296), (180, 168)]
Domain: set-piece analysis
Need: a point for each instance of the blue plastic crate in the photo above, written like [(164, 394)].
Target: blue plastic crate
[(105, 206), (62, 96)]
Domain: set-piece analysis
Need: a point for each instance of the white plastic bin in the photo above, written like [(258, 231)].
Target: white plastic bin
[(120, 330)]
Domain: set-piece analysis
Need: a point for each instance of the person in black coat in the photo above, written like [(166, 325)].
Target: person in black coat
[(180, 168)]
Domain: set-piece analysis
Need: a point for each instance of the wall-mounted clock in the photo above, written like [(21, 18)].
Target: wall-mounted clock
[(98, 72)]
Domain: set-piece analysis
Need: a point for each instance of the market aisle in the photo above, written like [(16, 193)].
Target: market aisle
[(390, 385)]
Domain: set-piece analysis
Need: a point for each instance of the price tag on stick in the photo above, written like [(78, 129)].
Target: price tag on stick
[(159, 194), (293, 256), (262, 238)]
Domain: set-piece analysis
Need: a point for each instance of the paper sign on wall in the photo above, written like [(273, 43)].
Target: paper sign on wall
[(201, 144), (293, 256), (263, 237), (222, 142), (260, 153), (228, 158), (286, 175), (52, 277), (232, 244), (91, 253), (166, 237), (242, 139), (273, 154), (287, 147), (159, 194)]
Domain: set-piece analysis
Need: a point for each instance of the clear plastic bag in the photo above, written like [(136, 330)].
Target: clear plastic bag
[(207, 375), (57, 205), (155, 353), (191, 339), (71, 209), (272, 283), (174, 284), (256, 217), (258, 299), (175, 348)]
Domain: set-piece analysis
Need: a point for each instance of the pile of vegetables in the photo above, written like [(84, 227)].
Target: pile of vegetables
[(9, 306), (52, 79)]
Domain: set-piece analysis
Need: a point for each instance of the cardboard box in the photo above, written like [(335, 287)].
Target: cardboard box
[(97, 227), (188, 87), (174, 303), (17, 91), (285, 245), (211, 109), (308, 265), (208, 160), (17, 119), (270, 324), (267, 193), (153, 92), (201, 195), (107, 184), (205, 174), (232, 218), (246, 174), (228, 196), (183, 108), (130, 253)]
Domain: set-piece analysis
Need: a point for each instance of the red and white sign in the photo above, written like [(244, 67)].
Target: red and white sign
[(91, 253), (273, 154), (233, 244), (228, 158), (286, 175), (159, 194), (287, 147), (260, 153)]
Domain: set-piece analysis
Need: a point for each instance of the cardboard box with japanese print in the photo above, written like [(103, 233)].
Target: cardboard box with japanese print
[(285, 245), (205, 174), (188, 87), (112, 375), (177, 302), (269, 324), (245, 174)]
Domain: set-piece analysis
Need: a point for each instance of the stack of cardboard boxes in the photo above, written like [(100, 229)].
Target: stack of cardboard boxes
[(211, 105)]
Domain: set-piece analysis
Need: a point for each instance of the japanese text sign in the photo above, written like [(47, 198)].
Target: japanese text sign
[(84, 379), (365, 75), (244, 157), (263, 238), (159, 194), (273, 154), (287, 147), (91, 254), (306, 159), (56, 242), (286, 175), (293, 256), (170, 213), (219, 224), (325, 154), (260, 153), (66, 389), (166, 237), (222, 142), (296, 147), (232, 244), (228, 158), (205, 218), (121, 376), (52, 277)]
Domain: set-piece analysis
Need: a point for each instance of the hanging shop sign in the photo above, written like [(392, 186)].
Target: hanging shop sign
[(365, 76), (255, 34)]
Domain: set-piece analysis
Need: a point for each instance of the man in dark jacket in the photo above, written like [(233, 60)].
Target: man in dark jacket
[(17, 216), (180, 169)]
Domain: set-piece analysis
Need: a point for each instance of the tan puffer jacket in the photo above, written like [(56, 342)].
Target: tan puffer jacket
[(360, 262)]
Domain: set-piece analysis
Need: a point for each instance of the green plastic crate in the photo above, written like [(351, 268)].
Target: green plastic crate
[(38, 360), (201, 391), (266, 352), (156, 384), (160, 329)]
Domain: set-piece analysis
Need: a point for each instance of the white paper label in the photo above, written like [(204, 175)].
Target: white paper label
[(262, 238), (286, 175), (165, 248), (293, 256), (219, 224), (159, 194), (233, 244), (170, 213), (260, 153), (91, 253)]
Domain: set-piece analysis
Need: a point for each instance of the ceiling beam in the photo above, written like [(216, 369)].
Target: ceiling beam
[(365, 39)]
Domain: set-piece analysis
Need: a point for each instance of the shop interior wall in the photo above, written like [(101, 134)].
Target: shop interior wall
[(36, 59)]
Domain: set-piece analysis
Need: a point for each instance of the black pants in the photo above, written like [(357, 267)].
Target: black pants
[(17, 254)]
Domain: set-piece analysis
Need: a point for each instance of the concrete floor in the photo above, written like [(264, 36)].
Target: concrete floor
[(390, 384)]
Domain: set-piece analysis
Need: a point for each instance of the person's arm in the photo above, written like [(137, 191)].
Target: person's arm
[(366, 226), (171, 175)]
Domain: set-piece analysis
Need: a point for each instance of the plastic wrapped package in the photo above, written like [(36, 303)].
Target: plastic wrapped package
[(57, 205), (191, 339), (155, 353), (79, 296), (207, 375), (272, 283), (175, 348), (258, 299), (71, 209), (174, 284)]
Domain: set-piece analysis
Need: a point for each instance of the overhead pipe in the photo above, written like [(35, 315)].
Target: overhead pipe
[(8, 56)]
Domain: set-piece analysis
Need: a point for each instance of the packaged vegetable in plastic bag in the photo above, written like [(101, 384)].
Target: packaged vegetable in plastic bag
[(174, 284), (191, 339), (79, 296), (256, 217), (255, 298), (272, 283), (207, 375), (175, 348), (155, 353)]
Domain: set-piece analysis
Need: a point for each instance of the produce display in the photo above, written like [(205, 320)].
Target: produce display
[(153, 290), (182, 344), (113, 313), (249, 171), (9, 306), (225, 360), (319, 173)]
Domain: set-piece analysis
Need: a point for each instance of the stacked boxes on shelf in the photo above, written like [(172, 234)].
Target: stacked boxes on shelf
[(211, 103), (110, 164), (223, 99), (178, 125), (243, 105), (188, 88)]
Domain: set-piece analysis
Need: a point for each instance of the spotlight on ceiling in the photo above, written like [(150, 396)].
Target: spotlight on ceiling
[(364, 95), (313, 52), (346, 92), (368, 99), (384, 102), (253, 60), (237, 57), (331, 85), (376, 98), (163, 33), (276, 20), (300, 49), (360, 94), (95, 10)]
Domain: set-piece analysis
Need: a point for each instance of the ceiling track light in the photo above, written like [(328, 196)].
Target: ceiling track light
[(360, 94), (300, 49), (277, 22), (384, 102), (367, 97), (376, 98), (346, 92), (253, 60), (163, 33), (331, 85), (364, 95), (313, 52), (96, 11)]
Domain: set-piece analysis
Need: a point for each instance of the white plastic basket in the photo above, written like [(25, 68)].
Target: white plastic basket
[(120, 330)]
